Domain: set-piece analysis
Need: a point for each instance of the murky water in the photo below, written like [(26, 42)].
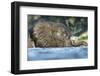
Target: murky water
[(57, 53)]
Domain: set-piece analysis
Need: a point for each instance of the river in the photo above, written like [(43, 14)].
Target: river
[(57, 53)]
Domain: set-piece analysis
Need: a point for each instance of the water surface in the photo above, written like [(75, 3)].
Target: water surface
[(57, 53)]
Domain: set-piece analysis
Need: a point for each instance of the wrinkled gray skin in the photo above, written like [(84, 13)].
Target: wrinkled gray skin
[(51, 34)]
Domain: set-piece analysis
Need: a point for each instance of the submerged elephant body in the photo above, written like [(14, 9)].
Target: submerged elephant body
[(50, 34)]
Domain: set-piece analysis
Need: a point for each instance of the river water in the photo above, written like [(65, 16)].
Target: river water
[(57, 53)]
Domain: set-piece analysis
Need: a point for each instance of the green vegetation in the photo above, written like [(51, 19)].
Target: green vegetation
[(83, 37)]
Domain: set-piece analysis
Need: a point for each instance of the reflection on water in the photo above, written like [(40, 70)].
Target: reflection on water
[(57, 53)]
